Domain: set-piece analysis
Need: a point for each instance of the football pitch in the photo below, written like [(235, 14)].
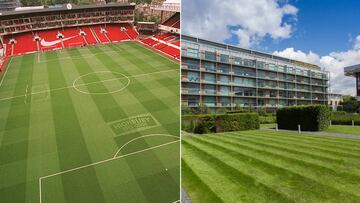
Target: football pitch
[(93, 124)]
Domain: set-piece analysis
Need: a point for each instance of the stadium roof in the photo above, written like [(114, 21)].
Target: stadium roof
[(63, 8), (352, 70), (252, 52)]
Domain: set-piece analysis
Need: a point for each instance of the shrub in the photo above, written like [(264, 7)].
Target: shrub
[(267, 119), (220, 122), (343, 118), (310, 117)]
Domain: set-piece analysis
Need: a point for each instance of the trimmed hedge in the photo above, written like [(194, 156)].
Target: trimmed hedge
[(310, 117), (220, 122), (267, 119), (343, 118)]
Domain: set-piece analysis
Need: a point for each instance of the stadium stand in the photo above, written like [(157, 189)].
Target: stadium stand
[(50, 40), (166, 43), (117, 33), (89, 37), (72, 38), (100, 34), (173, 21), (46, 29)]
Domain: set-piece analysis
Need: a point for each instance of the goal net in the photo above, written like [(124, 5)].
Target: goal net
[(50, 48)]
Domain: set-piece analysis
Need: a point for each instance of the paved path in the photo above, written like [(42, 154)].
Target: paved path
[(318, 133)]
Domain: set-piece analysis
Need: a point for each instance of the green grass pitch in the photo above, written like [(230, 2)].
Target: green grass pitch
[(269, 166), (94, 124)]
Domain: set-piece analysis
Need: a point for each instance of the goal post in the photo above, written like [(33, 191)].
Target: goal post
[(50, 48)]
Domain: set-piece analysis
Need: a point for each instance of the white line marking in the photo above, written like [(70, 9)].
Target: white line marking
[(151, 135), (101, 93), (66, 87), (26, 91), (99, 162), (7, 68)]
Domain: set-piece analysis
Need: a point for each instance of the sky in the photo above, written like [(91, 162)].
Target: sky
[(322, 32)]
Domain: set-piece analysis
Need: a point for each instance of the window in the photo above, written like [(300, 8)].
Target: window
[(224, 79), (281, 68), (210, 89), (193, 64), (244, 81), (209, 66), (191, 52), (238, 61), (272, 67), (193, 88), (193, 100), (244, 71), (260, 64), (248, 62), (210, 101), (193, 76), (224, 58), (225, 101), (224, 68), (210, 78), (210, 55), (224, 90), (273, 93)]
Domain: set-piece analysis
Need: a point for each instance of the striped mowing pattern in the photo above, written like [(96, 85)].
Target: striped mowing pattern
[(266, 166), (57, 143)]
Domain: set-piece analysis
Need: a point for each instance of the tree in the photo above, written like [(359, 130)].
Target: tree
[(350, 104)]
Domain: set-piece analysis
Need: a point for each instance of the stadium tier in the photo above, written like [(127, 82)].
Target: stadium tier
[(173, 21), (23, 32), (166, 43)]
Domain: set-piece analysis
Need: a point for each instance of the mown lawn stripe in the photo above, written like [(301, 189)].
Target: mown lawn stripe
[(254, 189), (318, 138), (195, 187), (72, 149), (341, 143), (278, 178), (14, 144), (346, 182), (298, 143), (158, 112), (305, 151)]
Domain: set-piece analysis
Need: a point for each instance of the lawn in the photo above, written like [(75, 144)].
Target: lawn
[(344, 129), (93, 124), (268, 125), (268, 166)]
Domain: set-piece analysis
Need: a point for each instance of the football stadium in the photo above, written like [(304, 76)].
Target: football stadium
[(89, 105)]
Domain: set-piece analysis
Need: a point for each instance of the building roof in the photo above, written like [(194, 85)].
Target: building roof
[(252, 52), (352, 70), (9, 14)]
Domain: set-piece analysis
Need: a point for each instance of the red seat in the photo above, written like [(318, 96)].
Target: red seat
[(49, 40), (72, 37)]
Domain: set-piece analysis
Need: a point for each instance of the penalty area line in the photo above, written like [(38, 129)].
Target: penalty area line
[(99, 162)]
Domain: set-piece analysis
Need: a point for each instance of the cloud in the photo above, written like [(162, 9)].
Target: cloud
[(357, 42), (334, 63), (253, 20)]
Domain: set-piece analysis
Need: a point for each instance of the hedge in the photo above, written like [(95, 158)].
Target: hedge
[(310, 117), (214, 123), (343, 118), (267, 119)]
